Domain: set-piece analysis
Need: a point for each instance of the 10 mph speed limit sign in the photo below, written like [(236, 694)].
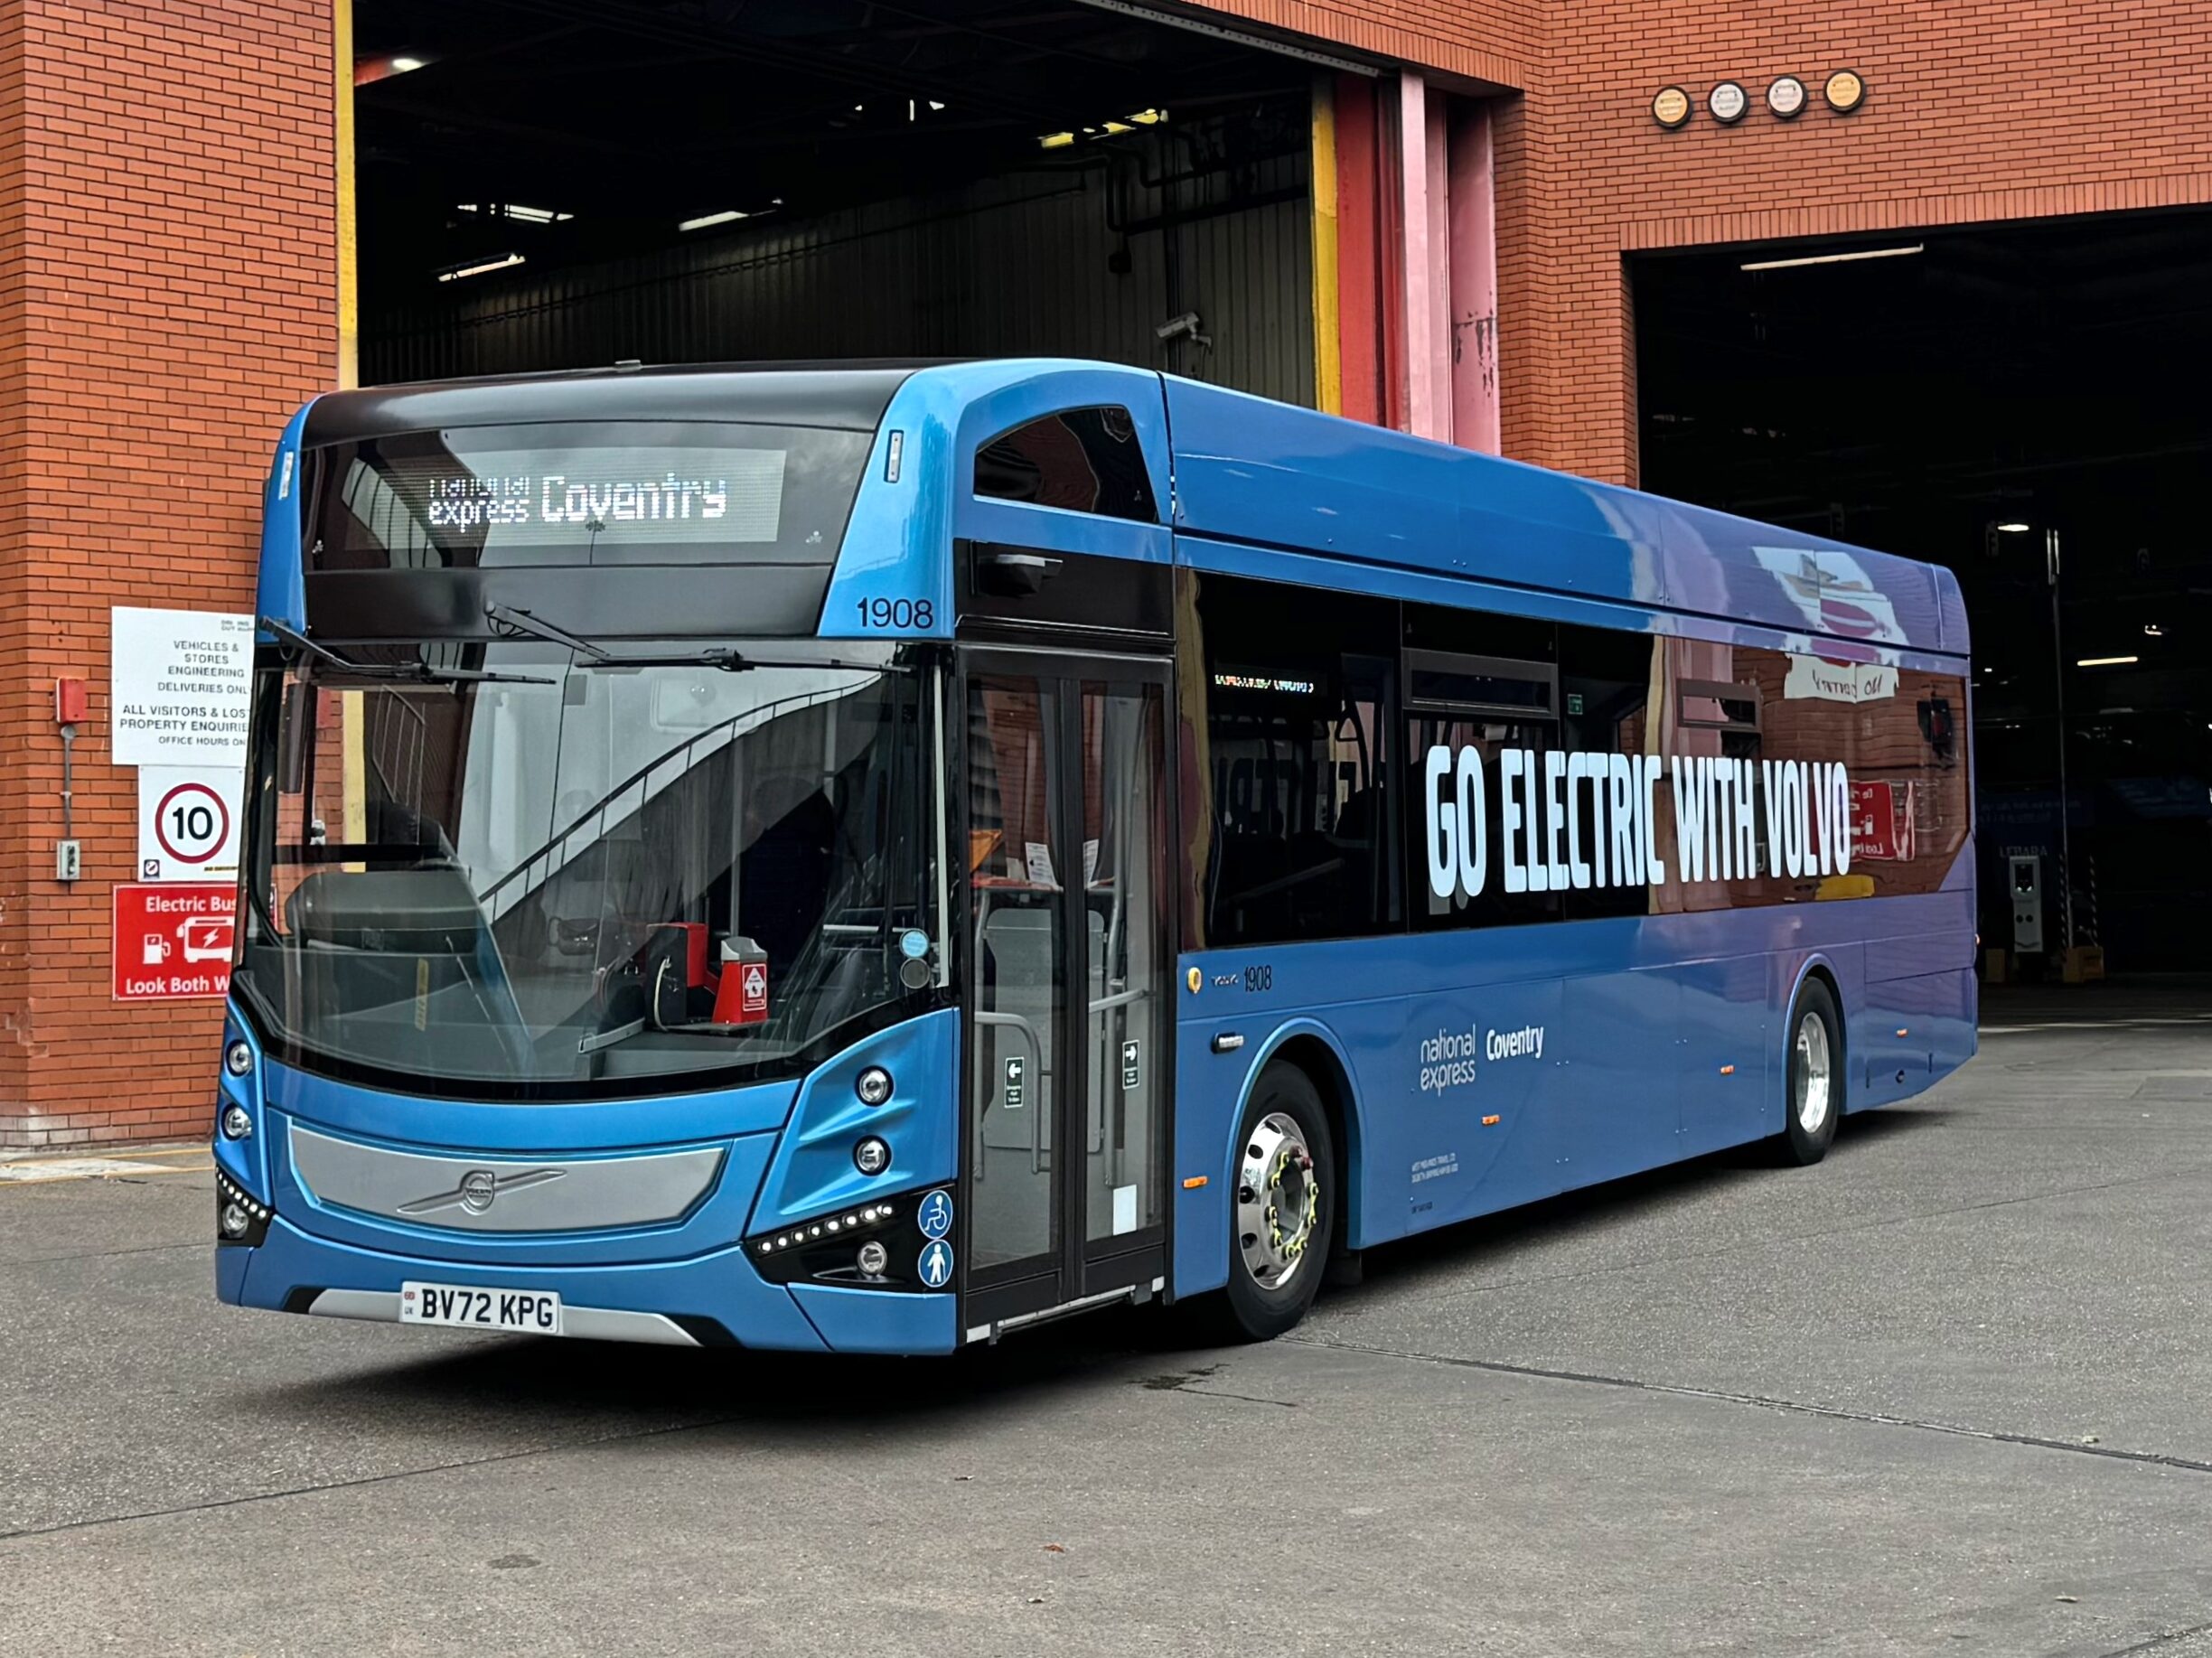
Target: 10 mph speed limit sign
[(188, 823)]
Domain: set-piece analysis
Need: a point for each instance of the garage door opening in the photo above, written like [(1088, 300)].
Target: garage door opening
[(1986, 399), (553, 183)]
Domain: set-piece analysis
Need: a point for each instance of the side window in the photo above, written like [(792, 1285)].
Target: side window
[(1901, 734), (1482, 738), (1290, 829), (1482, 721), (1793, 778), (1714, 841), (1606, 682), (1086, 459)]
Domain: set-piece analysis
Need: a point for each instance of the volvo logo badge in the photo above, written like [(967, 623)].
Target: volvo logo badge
[(479, 1189)]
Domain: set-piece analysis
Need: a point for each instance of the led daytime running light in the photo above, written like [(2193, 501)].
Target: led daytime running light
[(831, 1226), (234, 1193)]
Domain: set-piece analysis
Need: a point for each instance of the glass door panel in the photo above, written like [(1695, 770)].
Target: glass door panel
[(1068, 1072), (1016, 969), (1126, 885)]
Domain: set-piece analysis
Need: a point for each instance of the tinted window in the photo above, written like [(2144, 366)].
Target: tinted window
[(1606, 688), (1785, 719), (1484, 685), (1677, 775), (1289, 829), (1086, 459)]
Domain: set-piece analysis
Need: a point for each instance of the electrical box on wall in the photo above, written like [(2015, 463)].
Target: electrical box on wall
[(2027, 894), (70, 701)]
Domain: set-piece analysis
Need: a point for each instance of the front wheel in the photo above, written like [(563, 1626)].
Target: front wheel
[(1814, 1098), (1285, 1212)]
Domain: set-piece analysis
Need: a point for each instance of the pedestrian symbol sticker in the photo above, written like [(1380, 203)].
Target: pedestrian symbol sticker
[(935, 1215), (937, 1265)]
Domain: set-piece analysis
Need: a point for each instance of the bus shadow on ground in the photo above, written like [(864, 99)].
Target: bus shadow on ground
[(610, 1389), (605, 1390), (1428, 1256)]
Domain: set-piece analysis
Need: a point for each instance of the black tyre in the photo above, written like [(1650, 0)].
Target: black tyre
[(1813, 1097), (1283, 1215)]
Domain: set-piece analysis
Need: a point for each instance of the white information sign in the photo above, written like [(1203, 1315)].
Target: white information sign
[(1825, 682), (188, 822), (181, 682)]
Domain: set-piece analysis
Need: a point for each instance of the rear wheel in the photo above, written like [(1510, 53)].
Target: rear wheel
[(1814, 1096), (1284, 1214)]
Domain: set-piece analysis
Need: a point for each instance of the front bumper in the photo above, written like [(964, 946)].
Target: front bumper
[(716, 1299), (638, 1258)]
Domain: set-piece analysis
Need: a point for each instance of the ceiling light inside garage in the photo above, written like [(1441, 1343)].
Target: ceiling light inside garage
[(1833, 258), (479, 267), (1110, 129), (368, 71), (509, 210)]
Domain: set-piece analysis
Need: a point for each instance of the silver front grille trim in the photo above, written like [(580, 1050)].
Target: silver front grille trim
[(506, 1194)]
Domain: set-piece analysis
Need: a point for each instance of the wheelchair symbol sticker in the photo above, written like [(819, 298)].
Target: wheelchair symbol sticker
[(935, 1215), (937, 1265)]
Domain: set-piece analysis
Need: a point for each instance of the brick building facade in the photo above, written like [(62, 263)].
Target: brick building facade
[(167, 298), (170, 274)]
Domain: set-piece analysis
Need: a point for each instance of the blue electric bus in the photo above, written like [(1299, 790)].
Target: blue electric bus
[(870, 856)]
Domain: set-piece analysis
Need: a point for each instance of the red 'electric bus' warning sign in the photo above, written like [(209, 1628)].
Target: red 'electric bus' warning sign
[(172, 941), (1881, 825)]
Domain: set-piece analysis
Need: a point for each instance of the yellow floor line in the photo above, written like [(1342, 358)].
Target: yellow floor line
[(41, 1170)]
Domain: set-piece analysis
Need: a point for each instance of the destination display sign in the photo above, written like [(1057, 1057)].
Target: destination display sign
[(599, 497)]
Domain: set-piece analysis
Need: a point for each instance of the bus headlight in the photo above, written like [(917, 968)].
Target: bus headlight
[(237, 1123), (873, 1258), (871, 1156), (873, 1085), (238, 1059), (240, 1217)]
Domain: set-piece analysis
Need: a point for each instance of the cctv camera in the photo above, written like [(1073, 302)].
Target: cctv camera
[(1175, 327)]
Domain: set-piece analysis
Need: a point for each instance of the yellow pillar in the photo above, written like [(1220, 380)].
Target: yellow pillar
[(353, 777), (1329, 362), (349, 255)]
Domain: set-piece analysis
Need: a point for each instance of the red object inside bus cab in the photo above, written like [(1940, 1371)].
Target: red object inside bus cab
[(742, 996)]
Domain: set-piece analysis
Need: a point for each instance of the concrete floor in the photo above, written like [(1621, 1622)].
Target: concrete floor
[(1950, 1391)]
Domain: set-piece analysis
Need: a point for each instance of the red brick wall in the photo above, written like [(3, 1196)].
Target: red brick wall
[(1492, 41), (167, 295), (167, 298), (1977, 109)]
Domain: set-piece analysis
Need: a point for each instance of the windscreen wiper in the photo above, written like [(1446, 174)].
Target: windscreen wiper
[(506, 618), (412, 673)]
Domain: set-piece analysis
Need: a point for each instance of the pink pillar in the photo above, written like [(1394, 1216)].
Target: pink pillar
[(1473, 297), (1425, 408)]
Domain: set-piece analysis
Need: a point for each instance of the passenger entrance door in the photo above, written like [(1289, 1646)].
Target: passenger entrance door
[(1066, 1068)]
